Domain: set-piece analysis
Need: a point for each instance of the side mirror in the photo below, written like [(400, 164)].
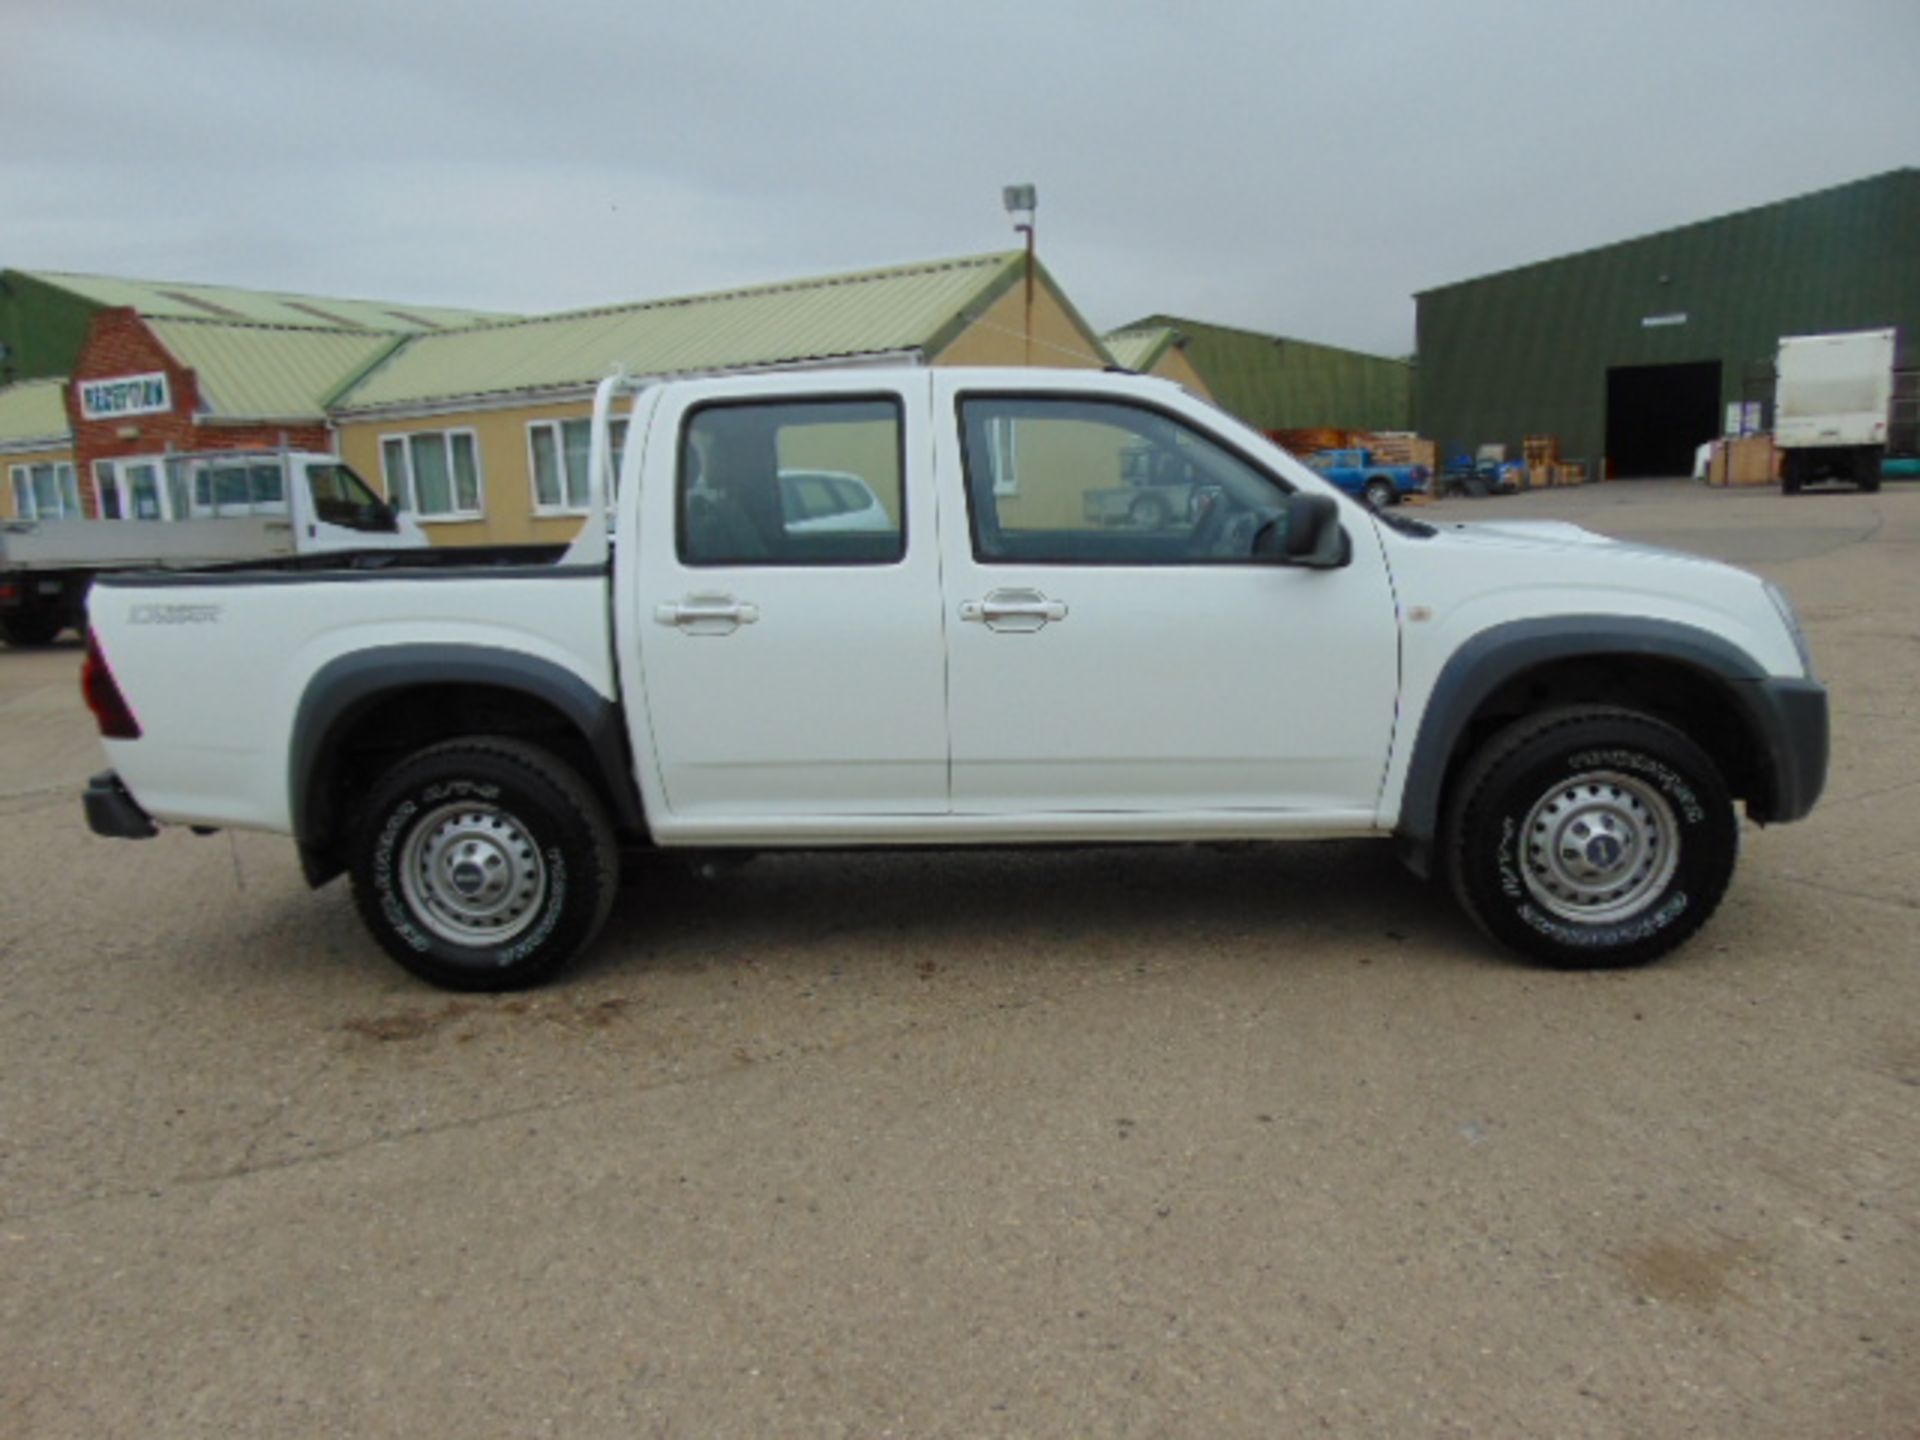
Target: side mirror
[(1306, 533), (378, 515)]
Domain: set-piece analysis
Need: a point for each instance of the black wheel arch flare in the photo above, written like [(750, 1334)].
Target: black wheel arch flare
[(343, 689), (1504, 652)]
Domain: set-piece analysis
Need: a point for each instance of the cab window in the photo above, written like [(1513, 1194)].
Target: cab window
[(807, 482), (1071, 481), (342, 498)]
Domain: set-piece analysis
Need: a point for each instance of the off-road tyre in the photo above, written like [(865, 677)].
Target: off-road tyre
[(1590, 837), (483, 864)]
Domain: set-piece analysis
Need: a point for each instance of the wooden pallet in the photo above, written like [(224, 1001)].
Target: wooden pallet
[(1560, 473)]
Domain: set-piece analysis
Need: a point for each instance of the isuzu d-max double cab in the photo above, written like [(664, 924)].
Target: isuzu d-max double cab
[(1559, 724)]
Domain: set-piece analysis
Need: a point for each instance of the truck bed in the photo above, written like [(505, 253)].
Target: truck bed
[(124, 544), (218, 662)]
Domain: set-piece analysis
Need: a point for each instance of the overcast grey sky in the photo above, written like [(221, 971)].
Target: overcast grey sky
[(1293, 168)]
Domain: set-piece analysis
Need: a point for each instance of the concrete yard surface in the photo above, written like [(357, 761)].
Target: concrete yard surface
[(1255, 1141)]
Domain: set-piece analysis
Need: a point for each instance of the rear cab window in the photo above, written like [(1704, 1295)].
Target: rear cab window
[(792, 482)]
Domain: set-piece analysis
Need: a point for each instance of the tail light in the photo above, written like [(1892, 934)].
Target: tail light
[(103, 696)]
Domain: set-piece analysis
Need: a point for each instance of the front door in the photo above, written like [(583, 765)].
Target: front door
[(788, 607), (1114, 649)]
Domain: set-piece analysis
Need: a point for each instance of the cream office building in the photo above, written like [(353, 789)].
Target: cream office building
[(481, 433)]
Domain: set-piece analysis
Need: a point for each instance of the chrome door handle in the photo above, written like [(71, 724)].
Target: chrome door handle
[(1018, 611), (706, 614)]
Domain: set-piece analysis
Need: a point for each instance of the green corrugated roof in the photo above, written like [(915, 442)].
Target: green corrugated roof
[(871, 312), (1853, 193), (269, 372), (34, 410), (1274, 382), (1140, 349), (166, 299)]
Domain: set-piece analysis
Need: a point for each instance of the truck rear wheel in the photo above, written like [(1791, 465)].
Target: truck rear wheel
[(484, 864), (1793, 473), (1866, 470), (1591, 837), (37, 626)]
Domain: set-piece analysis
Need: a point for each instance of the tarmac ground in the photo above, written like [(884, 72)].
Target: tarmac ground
[(1189, 1142)]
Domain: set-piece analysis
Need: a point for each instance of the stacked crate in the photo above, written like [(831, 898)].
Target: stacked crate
[(1545, 467), (1748, 461), (1401, 447), (1542, 455)]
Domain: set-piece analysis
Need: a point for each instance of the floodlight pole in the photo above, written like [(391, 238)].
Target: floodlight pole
[(1024, 199), (1028, 227)]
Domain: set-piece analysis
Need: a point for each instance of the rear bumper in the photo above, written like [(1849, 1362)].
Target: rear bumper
[(111, 811), (1791, 717)]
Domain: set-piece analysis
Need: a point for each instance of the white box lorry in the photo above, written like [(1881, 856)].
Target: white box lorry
[(1559, 723), (1832, 398), (183, 511)]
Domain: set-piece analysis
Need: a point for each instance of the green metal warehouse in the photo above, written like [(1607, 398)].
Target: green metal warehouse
[(1274, 382), (1633, 353)]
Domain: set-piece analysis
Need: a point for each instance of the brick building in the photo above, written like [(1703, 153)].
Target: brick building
[(159, 367), (143, 389)]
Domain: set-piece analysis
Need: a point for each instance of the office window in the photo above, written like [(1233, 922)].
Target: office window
[(46, 492), (433, 473), (557, 452)]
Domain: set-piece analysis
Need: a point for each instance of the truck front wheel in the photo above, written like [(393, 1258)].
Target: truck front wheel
[(483, 864), (1381, 493), (1590, 837)]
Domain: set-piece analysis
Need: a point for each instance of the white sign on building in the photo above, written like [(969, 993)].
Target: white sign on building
[(125, 395)]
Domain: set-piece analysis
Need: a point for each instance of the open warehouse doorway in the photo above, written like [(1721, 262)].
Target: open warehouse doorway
[(1657, 415)]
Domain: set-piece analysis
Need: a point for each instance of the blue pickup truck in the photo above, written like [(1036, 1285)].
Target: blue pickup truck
[(1360, 475)]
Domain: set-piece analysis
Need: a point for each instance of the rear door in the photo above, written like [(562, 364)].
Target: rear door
[(793, 656)]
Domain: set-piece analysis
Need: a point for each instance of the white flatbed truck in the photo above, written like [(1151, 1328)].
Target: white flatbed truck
[(1833, 395), (185, 511)]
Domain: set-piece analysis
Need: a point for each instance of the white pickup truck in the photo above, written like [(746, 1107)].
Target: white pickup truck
[(1558, 723)]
